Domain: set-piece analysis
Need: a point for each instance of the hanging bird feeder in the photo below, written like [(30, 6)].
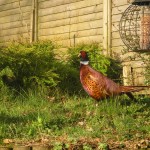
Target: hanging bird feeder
[(135, 26)]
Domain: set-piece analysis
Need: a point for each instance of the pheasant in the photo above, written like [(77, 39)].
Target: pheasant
[(98, 86)]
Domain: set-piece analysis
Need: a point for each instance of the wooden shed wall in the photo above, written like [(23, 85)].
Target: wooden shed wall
[(71, 21), (14, 19)]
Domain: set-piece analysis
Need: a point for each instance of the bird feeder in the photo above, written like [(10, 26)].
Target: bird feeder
[(135, 26)]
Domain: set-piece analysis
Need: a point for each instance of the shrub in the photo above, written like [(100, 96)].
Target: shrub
[(69, 80), (29, 64)]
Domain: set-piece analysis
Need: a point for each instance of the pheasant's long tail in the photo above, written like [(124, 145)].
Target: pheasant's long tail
[(126, 89)]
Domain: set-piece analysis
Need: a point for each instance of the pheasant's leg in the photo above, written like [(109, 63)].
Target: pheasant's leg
[(130, 95)]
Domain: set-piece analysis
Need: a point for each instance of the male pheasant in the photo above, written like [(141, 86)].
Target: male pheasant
[(99, 86)]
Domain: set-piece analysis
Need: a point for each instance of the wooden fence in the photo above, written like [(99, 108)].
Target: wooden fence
[(68, 23), (34, 147)]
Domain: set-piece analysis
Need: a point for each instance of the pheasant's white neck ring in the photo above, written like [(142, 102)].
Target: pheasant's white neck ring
[(84, 62)]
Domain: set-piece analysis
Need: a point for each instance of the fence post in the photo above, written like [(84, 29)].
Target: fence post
[(34, 21), (19, 147), (107, 25)]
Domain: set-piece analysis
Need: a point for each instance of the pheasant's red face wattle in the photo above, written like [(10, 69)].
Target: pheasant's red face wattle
[(84, 56)]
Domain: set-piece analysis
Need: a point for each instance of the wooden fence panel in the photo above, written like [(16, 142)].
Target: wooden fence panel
[(70, 19), (38, 147), (5, 148), (15, 19), (21, 147)]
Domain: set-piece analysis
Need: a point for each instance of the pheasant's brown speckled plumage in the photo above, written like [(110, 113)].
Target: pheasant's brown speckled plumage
[(99, 86), (96, 84)]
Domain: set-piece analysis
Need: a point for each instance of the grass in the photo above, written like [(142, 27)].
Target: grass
[(58, 118)]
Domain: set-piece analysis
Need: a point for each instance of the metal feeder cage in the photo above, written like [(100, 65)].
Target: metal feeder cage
[(134, 26)]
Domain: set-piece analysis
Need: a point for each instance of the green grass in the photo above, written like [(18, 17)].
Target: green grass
[(33, 116)]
